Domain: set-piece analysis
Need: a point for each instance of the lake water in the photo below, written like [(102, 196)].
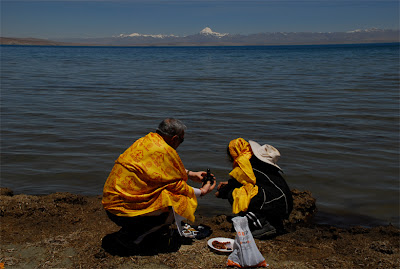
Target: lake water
[(332, 111)]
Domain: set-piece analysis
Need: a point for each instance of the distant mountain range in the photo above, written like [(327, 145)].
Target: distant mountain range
[(208, 37)]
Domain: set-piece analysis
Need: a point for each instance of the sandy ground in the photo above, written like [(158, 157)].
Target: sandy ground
[(64, 230)]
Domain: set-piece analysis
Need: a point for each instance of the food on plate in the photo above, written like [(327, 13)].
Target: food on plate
[(222, 245)]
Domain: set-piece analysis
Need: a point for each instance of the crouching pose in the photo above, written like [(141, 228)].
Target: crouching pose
[(256, 189), (147, 188)]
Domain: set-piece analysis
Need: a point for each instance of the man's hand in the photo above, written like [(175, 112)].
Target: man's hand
[(207, 188), (198, 176), (221, 185)]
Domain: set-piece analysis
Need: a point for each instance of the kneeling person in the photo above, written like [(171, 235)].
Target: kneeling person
[(147, 187), (256, 189)]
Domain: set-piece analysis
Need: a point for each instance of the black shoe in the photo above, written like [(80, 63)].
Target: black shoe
[(266, 230), (259, 226), (161, 242), (115, 244)]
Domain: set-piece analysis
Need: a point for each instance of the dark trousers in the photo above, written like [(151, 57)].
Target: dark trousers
[(139, 225), (142, 235)]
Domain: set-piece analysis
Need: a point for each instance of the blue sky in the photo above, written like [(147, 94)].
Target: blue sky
[(105, 18)]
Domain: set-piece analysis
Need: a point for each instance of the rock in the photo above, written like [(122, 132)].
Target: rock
[(6, 192), (304, 207)]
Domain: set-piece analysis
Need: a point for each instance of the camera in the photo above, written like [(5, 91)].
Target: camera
[(208, 177)]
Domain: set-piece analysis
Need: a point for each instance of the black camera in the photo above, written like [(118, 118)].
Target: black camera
[(208, 177)]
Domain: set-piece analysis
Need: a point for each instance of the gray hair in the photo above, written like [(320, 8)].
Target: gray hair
[(171, 127)]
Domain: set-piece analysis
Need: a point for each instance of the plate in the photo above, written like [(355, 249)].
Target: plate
[(221, 240)]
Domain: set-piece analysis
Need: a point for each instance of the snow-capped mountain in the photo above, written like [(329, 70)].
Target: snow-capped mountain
[(205, 32), (208, 32), (208, 37), (371, 30), (142, 35)]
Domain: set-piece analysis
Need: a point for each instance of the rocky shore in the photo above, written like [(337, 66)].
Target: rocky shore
[(64, 230)]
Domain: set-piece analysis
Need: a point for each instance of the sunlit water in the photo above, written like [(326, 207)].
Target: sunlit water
[(332, 111)]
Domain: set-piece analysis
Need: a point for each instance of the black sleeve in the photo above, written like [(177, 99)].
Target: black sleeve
[(225, 192)]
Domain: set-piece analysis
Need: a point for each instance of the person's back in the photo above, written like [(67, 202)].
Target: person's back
[(274, 197), (256, 189), (147, 188)]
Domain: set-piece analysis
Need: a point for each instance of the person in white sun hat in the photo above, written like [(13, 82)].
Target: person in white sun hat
[(257, 189)]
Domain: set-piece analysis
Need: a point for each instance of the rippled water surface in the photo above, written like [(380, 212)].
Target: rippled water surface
[(332, 111)]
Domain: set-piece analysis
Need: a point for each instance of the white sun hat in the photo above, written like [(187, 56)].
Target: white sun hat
[(266, 153)]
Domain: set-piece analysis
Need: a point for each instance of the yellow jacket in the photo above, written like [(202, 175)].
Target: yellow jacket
[(147, 177)]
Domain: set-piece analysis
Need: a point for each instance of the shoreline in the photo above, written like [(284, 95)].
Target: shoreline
[(65, 230), (319, 217), (12, 41)]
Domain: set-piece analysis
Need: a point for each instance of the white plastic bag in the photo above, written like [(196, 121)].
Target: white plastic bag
[(245, 252)]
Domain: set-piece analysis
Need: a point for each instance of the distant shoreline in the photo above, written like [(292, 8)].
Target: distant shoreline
[(43, 42)]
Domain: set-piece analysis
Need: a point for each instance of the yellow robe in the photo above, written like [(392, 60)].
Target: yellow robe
[(241, 153), (147, 177)]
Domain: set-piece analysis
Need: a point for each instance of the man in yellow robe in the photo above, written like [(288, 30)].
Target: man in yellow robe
[(147, 187)]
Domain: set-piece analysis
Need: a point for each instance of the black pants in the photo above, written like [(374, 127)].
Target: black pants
[(139, 225), (142, 235)]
